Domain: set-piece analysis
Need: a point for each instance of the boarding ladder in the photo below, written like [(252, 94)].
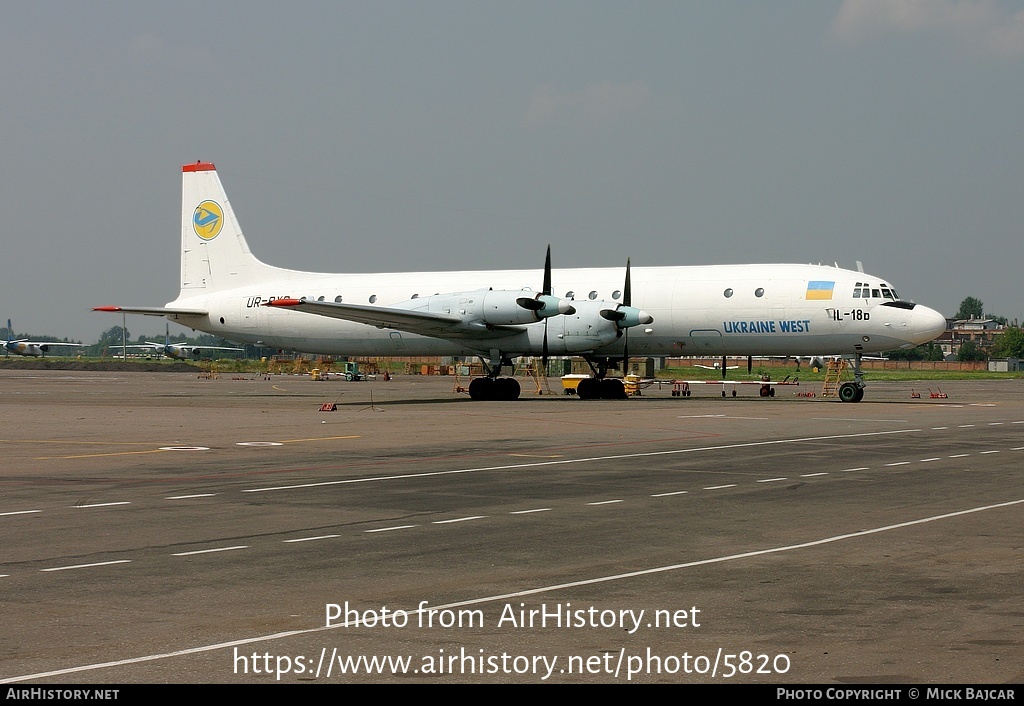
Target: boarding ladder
[(833, 373), (529, 368)]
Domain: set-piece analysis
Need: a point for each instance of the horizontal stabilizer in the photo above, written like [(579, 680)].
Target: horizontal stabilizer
[(152, 310)]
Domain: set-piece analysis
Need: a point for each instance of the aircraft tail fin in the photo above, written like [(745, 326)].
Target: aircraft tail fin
[(214, 253)]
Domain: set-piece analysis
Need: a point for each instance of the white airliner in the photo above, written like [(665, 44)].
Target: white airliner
[(36, 349), (180, 351), (604, 315)]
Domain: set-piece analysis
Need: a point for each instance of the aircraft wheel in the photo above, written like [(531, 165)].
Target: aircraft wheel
[(588, 389), (771, 392), (507, 389), (764, 391), (734, 393), (612, 389), (723, 393), (481, 389), (849, 392)]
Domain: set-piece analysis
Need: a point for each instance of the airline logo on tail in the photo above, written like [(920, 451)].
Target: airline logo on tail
[(208, 220)]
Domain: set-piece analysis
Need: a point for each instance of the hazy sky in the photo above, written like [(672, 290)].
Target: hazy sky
[(391, 135)]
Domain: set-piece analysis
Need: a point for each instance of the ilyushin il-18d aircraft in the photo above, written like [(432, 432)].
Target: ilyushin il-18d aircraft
[(604, 315)]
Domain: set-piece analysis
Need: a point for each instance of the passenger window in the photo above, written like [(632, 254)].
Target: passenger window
[(592, 295)]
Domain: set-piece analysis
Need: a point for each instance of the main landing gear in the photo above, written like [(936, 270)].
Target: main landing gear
[(600, 387), (493, 387), (488, 388)]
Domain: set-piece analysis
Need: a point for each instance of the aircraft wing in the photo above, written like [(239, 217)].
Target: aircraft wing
[(152, 310), (424, 323)]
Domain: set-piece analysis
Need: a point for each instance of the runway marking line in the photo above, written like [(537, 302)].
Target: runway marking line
[(311, 539), (592, 459), (211, 551), (719, 487), (18, 512), (675, 492), (189, 497), (606, 502), (202, 649), (459, 519), (88, 566), (527, 512), (771, 480), (122, 502), (389, 529)]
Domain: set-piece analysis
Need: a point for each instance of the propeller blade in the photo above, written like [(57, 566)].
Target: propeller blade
[(546, 291), (723, 367), (627, 290), (750, 363), (547, 273), (627, 298)]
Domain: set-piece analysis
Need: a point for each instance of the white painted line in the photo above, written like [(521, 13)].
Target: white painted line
[(19, 512), (607, 502), (123, 502), (851, 470), (898, 463), (210, 551), (459, 519), (674, 492), (312, 539), (527, 512), (958, 456), (1020, 422), (995, 424), (719, 487), (540, 590), (771, 480), (965, 426), (812, 475), (1017, 448), (925, 460), (189, 497), (856, 419), (937, 428), (989, 452), (88, 566), (259, 443), (388, 529), (184, 448), (591, 459)]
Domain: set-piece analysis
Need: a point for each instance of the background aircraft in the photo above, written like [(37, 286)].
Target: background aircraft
[(772, 309), (180, 351), (37, 349)]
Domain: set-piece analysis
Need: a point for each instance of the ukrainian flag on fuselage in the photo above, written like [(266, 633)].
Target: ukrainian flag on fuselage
[(820, 290)]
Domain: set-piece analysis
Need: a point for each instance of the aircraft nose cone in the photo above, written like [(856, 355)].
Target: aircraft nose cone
[(928, 324)]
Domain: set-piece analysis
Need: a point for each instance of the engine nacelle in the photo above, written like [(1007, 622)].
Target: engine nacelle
[(583, 330), (502, 307)]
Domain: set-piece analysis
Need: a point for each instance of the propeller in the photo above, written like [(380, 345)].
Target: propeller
[(625, 316), (546, 305), (723, 367)]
